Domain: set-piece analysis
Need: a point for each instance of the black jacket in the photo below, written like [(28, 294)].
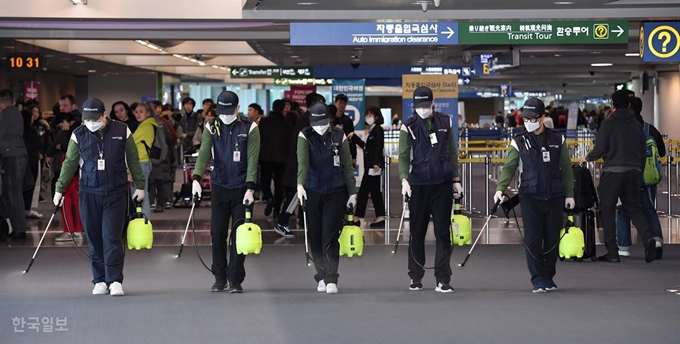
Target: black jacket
[(290, 175), (621, 142), (373, 148), (275, 134), (345, 123)]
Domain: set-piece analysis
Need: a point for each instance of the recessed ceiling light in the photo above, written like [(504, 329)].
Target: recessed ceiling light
[(633, 54), (295, 57), (604, 64), (307, 3), (80, 61), (564, 2), (557, 55), (92, 71)]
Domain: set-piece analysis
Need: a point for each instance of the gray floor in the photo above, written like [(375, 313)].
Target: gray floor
[(167, 300)]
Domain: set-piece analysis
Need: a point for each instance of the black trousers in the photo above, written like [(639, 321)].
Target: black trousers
[(624, 186), (543, 221), (370, 185), (284, 217), (273, 170), (426, 200), (103, 219), (324, 222), (13, 190), (227, 204)]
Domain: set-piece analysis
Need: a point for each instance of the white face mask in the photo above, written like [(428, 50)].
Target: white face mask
[(424, 112), (94, 126), (531, 127), (227, 119), (321, 129), (370, 120)]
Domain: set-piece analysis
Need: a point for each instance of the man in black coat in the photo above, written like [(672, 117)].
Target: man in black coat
[(342, 121), (14, 162), (275, 133)]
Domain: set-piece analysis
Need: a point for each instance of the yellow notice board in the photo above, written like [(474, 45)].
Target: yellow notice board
[(443, 86)]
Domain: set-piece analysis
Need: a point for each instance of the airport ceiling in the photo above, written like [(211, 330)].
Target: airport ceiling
[(204, 49)]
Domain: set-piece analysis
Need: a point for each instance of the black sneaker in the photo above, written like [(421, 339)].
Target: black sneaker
[(650, 250), (284, 231), (219, 285), (268, 209), (415, 285), (378, 224), (659, 251), (235, 288), (443, 288)]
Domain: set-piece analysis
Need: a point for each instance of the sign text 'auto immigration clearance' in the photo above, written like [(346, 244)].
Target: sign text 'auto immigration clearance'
[(378, 33)]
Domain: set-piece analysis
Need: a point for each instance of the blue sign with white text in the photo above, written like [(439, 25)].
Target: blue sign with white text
[(354, 89), (359, 34)]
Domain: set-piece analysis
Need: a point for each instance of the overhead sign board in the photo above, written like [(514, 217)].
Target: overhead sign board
[(444, 89), (660, 42), (271, 72), (377, 33), (543, 32), (303, 81)]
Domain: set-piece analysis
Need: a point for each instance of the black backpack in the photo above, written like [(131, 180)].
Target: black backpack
[(585, 194)]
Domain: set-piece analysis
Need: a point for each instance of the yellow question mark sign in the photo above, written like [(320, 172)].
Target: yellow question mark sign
[(664, 33), (666, 37)]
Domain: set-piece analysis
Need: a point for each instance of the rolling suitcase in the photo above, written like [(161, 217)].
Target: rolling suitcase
[(585, 220)]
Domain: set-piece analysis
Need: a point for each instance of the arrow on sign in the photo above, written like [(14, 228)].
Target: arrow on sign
[(234, 72), (449, 33), (619, 30), (466, 81)]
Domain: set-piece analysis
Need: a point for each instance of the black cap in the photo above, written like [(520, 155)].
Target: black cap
[(227, 102), (422, 97), (93, 109), (63, 116), (318, 113), (533, 108), (620, 99)]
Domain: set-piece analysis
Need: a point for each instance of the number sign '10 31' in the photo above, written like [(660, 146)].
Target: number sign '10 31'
[(25, 61)]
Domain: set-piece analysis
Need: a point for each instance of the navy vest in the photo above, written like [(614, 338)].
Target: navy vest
[(431, 164), (228, 139), (111, 145), (538, 179), (323, 177)]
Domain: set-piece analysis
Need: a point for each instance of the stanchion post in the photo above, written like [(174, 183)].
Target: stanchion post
[(486, 192), (386, 184), (670, 194)]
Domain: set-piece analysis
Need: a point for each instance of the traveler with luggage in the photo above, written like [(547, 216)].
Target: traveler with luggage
[(647, 191), (429, 173), (621, 142), (546, 188), (325, 179), (233, 143)]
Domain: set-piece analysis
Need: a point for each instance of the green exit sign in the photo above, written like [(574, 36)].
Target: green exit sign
[(542, 32)]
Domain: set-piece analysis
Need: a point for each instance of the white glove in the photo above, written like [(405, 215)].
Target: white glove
[(569, 203), (58, 199), (301, 193), (138, 196), (457, 190), (248, 198), (352, 201), (196, 189), (405, 188), (498, 197)]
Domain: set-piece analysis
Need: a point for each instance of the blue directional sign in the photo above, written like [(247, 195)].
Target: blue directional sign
[(382, 33), (660, 42)]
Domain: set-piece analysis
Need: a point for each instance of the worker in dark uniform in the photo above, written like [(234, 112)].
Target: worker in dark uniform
[(546, 178), (427, 145), (234, 143), (344, 123), (325, 178), (102, 150)]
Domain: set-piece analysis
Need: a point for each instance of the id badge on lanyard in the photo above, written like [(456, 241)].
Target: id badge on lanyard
[(101, 164), (237, 153), (546, 155), (336, 157)]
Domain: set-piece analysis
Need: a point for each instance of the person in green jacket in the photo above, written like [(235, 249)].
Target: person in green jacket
[(102, 149), (144, 137), (234, 144), (546, 188)]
